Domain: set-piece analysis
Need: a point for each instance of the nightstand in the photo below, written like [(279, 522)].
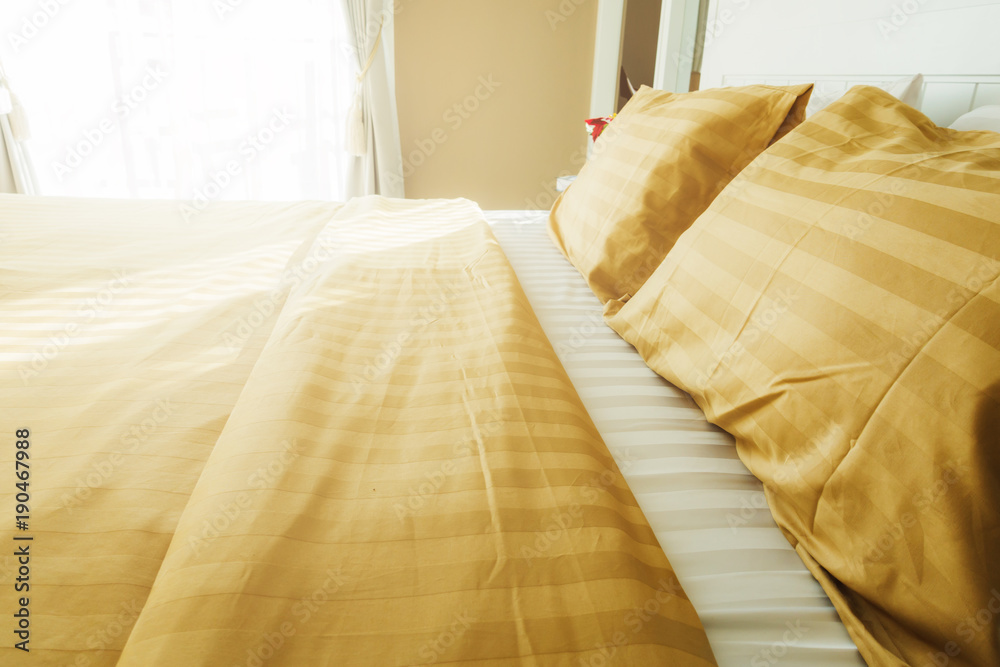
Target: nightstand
[(564, 182)]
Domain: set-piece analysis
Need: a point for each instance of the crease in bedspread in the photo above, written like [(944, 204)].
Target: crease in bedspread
[(248, 572), (124, 416)]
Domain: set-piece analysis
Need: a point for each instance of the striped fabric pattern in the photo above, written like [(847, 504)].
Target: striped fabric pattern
[(127, 336), (757, 600), (406, 475), (837, 310), (655, 169)]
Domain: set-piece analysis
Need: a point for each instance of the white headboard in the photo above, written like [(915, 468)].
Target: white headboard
[(842, 43), (943, 97)]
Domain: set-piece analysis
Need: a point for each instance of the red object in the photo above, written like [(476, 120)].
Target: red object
[(595, 126)]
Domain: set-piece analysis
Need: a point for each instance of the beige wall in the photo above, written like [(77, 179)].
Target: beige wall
[(519, 72)]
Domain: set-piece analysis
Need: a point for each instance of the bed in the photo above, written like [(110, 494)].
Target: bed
[(380, 432), (348, 421), (752, 593), (733, 401)]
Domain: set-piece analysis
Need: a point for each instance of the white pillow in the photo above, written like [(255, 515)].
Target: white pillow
[(983, 118), (906, 90)]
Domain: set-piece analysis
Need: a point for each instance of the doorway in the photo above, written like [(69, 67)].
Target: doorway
[(653, 42)]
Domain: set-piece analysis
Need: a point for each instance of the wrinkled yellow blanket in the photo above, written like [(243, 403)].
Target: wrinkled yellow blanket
[(304, 435)]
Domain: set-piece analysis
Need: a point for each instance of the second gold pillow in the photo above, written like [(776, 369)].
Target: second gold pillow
[(655, 169)]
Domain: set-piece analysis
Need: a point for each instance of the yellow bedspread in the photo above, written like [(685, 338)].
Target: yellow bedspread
[(317, 436)]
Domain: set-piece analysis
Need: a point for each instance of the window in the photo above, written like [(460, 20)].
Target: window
[(200, 100)]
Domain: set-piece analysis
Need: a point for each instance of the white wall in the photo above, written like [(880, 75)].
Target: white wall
[(607, 57), (675, 50), (845, 37)]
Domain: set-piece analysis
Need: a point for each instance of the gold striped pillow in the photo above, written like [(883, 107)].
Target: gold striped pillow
[(837, 309), (655, 169)]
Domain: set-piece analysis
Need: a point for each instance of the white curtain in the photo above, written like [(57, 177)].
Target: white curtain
[(194, 100), (376, 162), (16, 171)]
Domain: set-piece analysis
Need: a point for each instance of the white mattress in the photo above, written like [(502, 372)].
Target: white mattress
[(759, 604)]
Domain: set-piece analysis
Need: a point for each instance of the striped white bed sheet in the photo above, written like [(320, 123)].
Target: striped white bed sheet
[(759, 604)]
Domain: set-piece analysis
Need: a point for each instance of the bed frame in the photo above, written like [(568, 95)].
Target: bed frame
[(943, 98), (849, 42)]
